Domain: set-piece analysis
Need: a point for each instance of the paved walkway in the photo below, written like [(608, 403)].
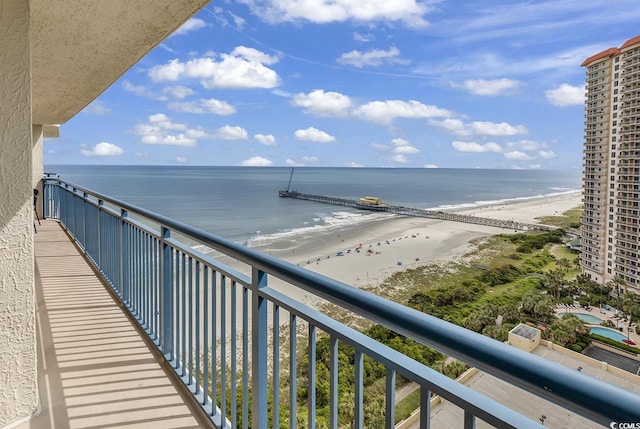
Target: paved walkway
[(95, 370)]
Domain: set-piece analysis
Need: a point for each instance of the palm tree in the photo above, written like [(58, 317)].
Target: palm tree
[(529, 301), (554, 280), (631, 303), (576, 262), (566, 330), (616, 283), (559, 333), (564, 264)]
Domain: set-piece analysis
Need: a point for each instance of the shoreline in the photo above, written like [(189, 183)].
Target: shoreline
[(373, 251)]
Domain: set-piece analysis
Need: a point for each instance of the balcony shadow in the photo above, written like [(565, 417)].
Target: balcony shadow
[(95, 370)]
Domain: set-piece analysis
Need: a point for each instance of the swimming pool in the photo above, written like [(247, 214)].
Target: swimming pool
[(609, 333), (588, 318)]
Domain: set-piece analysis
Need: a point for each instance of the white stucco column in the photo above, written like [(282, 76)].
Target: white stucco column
[(37, 162), (18, 385)]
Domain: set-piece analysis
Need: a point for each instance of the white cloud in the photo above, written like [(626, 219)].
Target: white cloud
[(476, 147), (265, 139), (192, 24), (516, 155), (142, 155), (482, 128), (256, 161), (372, 58), (359, 37), (430, 166), (547, 154), (103, 149), (230, 133), (403, 147), (353, 164), (142, 91), (179, 92), (566, 95), (409, 12), (201, 106), (399, 158), (305, 159), (379, 146), (242, 68), (492, 64), (384, 112), (488, 87), (526, 145), (281, 93), (169, 139), (322, 103), (293, 163), (163, 121), (399, 142), (180, 160), (407, 150), (313, 135), (160, 130)]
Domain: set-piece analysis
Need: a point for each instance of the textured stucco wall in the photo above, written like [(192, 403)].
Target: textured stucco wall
[(18, 388)]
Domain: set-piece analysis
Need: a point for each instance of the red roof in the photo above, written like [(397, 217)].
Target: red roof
[(630, 42), (608, 53), (611, 51)]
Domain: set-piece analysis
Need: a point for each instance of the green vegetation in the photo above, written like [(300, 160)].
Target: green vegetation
[(569, 331), (511, 278), (507, 279), (568, 220), (616, 344)]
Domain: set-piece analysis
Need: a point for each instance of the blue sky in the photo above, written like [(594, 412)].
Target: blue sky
[(362, 83)]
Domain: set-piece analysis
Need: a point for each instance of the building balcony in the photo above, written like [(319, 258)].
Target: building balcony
[(136, 328), (96, 366)]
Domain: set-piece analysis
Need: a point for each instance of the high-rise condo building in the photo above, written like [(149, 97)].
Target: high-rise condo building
[(611, 181)]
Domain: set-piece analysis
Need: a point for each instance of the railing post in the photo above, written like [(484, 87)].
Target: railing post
[(85, 215), (124, 257), (259, 348), (425, 408), (166, 304), (390, 402), (99, 255)]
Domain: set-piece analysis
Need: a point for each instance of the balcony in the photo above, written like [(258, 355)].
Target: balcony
[(95, 367), (138, 328)]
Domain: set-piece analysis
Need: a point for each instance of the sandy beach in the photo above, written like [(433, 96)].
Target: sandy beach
[(373, 252)]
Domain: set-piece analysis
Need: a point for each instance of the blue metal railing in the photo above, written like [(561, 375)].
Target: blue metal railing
[(223, 330)]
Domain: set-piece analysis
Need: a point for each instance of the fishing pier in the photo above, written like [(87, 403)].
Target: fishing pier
[(374, 204)]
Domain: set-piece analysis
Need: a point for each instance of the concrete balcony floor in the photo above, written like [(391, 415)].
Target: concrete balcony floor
[(96, 370)]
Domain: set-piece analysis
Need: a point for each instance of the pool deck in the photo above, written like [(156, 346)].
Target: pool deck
[(604, 315)]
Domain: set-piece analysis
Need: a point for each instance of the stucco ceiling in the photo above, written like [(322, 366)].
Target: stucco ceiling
[(80, 47)]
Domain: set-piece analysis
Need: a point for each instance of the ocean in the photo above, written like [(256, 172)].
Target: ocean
[(242, 203)]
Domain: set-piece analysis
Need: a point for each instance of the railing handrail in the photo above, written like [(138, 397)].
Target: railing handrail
[(597, 400)]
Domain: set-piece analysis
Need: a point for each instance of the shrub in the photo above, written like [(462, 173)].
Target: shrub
[(615, 343), (500, 275), (607, 324), (575, 348)]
